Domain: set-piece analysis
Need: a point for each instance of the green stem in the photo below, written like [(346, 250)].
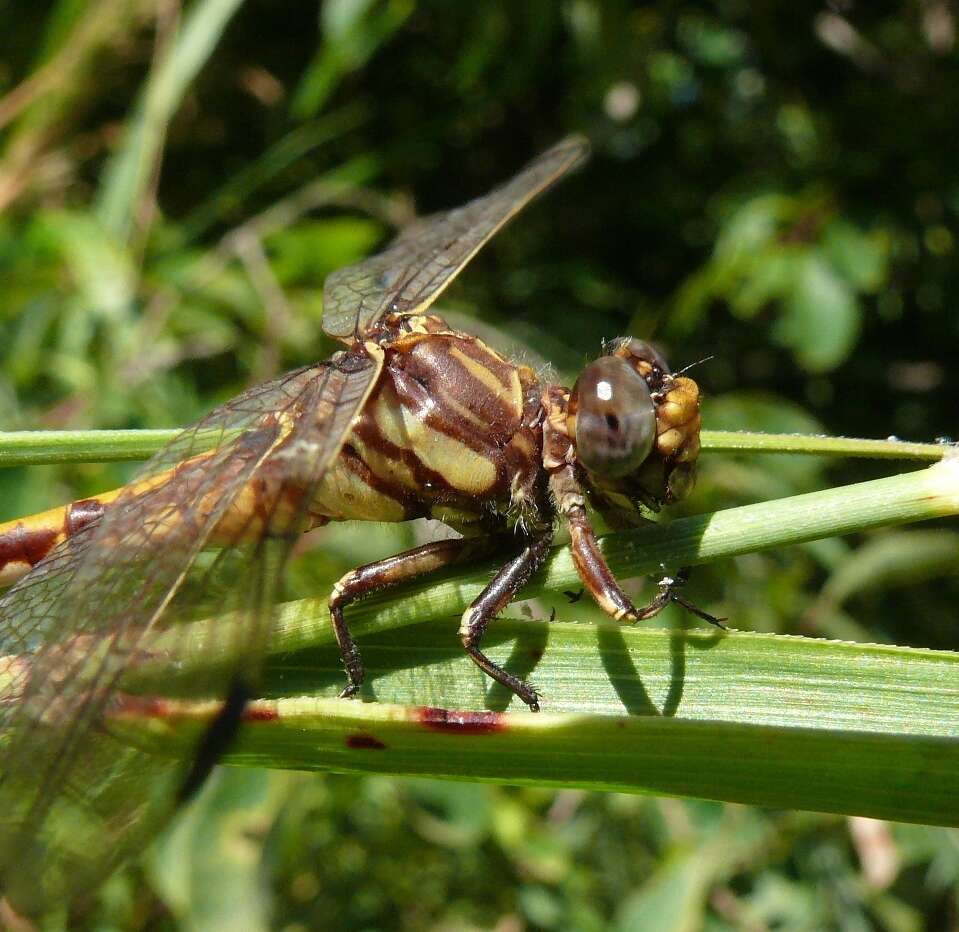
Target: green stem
[(45, 447), (732, 441), (39, 447), (762, 719)]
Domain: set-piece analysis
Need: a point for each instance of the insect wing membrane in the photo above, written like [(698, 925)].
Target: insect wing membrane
[(74, 800), (418, 265)]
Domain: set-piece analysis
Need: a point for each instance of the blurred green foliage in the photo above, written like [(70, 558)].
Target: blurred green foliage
[(774, 186)]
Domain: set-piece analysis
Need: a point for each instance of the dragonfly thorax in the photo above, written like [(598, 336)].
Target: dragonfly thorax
[(449, 432)]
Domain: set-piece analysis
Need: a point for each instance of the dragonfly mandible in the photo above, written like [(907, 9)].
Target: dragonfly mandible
[(412, 419)]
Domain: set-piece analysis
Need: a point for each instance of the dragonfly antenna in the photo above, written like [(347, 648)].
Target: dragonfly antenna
[(693, 365)]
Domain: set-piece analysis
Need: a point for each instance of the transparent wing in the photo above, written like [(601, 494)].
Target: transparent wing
[(413, 271), (74, 801)]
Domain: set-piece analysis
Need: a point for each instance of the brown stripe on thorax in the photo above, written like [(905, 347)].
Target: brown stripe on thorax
[(382, 485), (384, 457), (458, 386), (438, 423), (351, 490), (453, 424), (368, 436)]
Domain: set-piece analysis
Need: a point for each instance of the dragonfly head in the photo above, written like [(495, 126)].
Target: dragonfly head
[(635, 426)]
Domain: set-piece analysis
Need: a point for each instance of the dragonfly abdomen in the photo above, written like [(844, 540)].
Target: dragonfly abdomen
[(26, 541)]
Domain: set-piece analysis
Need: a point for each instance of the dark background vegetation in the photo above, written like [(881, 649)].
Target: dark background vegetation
[(774, 186)]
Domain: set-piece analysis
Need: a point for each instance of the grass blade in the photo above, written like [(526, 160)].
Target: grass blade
[(130, 170), (762, 719)]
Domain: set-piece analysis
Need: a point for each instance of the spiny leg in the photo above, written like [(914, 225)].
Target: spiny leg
[(604, 588), (403, 566), (593, 570), (492, 600)]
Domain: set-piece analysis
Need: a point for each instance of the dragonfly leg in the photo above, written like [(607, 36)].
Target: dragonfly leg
[(396, 569), (596, 574), (492, 600)]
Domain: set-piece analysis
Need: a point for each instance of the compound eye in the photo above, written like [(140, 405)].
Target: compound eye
[(613, 417)]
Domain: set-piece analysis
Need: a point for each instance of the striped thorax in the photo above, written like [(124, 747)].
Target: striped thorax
[(450, 431)]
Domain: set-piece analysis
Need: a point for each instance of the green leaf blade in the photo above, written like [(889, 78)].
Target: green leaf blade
[(769, 720)]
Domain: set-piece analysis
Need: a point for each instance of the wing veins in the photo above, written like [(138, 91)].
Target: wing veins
[(431, 252), (67, 564)]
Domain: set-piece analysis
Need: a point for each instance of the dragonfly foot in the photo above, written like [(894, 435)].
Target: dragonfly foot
[(531, 698), (670, 586)]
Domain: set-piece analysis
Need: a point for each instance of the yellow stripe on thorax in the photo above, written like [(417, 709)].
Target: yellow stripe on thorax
[(510, 393), (463, 468), (343, 495)]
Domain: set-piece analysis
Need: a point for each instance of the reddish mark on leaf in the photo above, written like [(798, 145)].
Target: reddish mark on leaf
[(463, 723), (142, 706), (260, 714), (156, 707), (361, 742)]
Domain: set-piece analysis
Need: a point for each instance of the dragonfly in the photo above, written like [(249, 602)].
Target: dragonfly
[(411, 419)]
